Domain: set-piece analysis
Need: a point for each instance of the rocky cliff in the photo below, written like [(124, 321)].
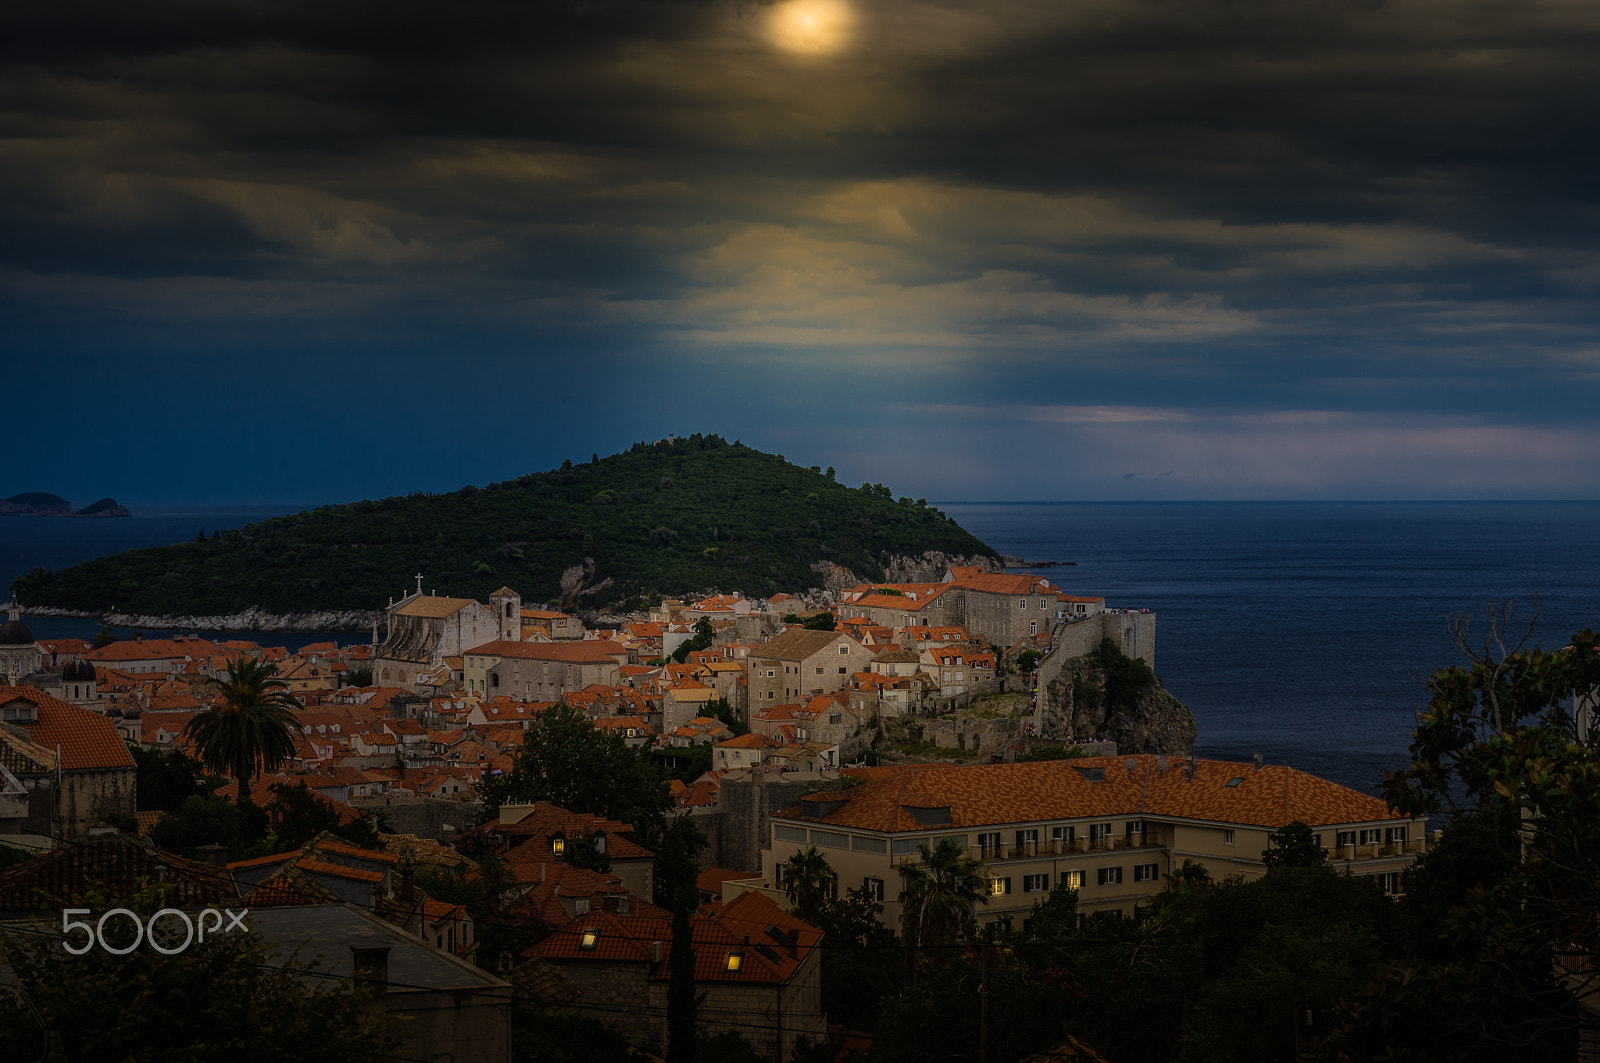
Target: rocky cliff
[(926, 567), (1139, 717)]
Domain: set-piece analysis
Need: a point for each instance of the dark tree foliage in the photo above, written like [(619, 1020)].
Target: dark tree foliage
[(166, 780), (1503, 914), (860, 959), (684, 764), (298, 815), (1293, 846), (489, 893), (1212, 971), (584, 853), (205, 819), (1127, 679), (224, 998), (670, 517), (722, 709), (565, 761), (539, 1036), (250, 730), (682, 1005), (819, 622), (730, 1046), (701, 641)]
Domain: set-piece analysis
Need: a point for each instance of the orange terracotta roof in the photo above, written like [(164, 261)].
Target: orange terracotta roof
[(990, 794), (749, 741), (912, 596), (774, 943), (322, 867), (151, 650), (577, 651), (87, 739), (433, 606), (1006, 583)]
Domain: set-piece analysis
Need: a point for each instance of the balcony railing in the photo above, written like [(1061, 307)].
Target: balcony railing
[(1061, 847), (1378, 850)]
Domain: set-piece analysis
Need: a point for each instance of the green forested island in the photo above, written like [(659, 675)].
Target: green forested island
[(671, 517)]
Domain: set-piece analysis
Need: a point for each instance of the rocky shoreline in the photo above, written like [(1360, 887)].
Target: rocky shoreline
[(251, 619), (929, 567)]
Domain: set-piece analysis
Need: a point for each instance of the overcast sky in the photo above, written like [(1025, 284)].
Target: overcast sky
[(975, 249)]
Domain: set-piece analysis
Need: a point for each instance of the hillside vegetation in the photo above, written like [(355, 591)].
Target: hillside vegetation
[(662, 518)]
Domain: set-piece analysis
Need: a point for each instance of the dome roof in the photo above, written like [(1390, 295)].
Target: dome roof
[(77, 670), (15, 633)]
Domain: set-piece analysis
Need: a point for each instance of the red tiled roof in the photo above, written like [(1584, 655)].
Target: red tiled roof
[(581, 651), (87, 739), (747, 741), (1006, 583), (545, 820), (118, 864), (912, 596), (983, 795), (322, 867), (152, 649), (773, 942)]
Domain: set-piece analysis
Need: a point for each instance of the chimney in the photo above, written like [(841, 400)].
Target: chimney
[(655, 952), (1258, 761)]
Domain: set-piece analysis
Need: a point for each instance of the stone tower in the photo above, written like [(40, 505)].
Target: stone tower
[(78, 682), (507, 607)]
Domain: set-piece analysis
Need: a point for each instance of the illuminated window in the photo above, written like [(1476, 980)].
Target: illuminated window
[(735, 960), (589, 939), (558, 845)]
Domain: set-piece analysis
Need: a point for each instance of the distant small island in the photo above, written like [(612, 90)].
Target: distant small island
[(106, 507), (44, 504)]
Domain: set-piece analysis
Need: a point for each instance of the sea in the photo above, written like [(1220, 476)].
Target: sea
[(1302, 631)]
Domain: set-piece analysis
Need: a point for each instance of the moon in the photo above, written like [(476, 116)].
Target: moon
[(811, 27)]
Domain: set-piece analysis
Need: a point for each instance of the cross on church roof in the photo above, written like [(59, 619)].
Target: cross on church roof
[(419, 583)]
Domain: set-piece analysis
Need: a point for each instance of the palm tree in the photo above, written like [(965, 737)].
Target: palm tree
[(251, 730), (808, 880), (940, 892)]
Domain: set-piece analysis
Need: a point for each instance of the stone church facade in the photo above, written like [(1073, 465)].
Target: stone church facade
[(423, 631)]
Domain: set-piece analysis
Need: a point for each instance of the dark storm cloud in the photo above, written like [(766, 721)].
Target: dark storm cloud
[(1373, 222)]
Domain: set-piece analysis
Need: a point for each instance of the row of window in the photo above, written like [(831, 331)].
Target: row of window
[(1000, 885), (1027, 837), (989, 842), (1370, 836)]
